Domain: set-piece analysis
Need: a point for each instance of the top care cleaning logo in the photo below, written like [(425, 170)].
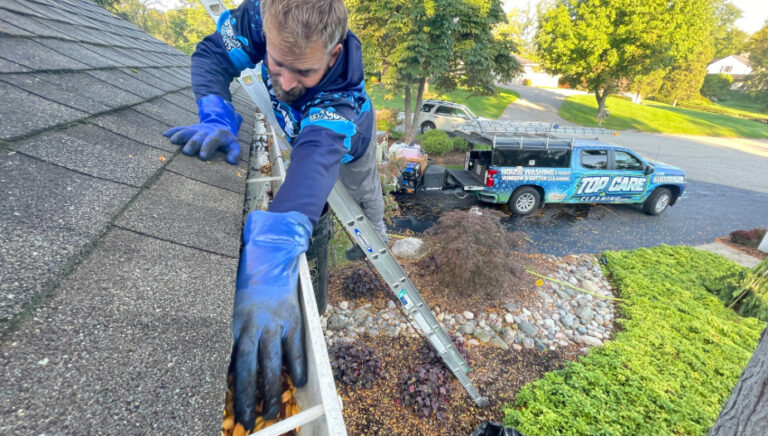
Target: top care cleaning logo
[(619, 185)]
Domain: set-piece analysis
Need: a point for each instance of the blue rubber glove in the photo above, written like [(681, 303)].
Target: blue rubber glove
[(217, 130), (267, 324)]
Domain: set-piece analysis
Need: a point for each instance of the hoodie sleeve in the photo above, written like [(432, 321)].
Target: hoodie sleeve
[(336, 128), (236, 45)]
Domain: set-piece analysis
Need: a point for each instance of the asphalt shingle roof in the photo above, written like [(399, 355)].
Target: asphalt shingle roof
[(118, 254)]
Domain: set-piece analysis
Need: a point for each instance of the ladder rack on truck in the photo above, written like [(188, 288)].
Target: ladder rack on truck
[(320, 405), (507, 127)]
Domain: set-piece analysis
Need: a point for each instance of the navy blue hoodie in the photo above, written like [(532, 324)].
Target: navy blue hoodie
[(330, 125)]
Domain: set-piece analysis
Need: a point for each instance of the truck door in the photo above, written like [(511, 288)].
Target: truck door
[(594, 177), (629, 181)]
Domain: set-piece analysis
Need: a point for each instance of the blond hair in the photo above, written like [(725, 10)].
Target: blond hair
[(302, 23)]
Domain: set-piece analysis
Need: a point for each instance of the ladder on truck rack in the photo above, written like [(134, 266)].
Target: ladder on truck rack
[(507, 127), (361, 230)]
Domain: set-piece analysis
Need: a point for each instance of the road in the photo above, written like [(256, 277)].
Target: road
[(727, 190)]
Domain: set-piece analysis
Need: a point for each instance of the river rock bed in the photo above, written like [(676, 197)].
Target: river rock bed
[(558, 317)]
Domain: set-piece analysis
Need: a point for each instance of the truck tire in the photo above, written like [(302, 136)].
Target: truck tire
[(658, 201), (524, 200), (426, 126)]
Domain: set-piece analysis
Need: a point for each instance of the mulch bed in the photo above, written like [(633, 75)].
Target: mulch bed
[(752, 251), (498, 374)]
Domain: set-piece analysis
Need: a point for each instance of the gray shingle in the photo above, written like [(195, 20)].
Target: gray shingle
[(98, 152), (136, 56), (215, 172), (188, 212), (166, 75), (79, 51), (167, 112), (125, 80), (11, 67), (134, 125), (20, 7), (27, 23), (113, 55), (47, 214), (35, 56), (137, 341), (144, 75), (78, 90), (182, 101), (10, 29), (65, 30), (17, 118)]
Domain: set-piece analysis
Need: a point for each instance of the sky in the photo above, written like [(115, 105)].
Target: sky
[(755, 12)]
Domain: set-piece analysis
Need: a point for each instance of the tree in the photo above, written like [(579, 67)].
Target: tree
[(726, 37), (449, 42), (745, 412), (684, 80), (603, 44), (757, 83), (716, 86)]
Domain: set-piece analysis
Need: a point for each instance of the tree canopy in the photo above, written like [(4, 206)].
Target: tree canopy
[(448, 42), (757, 84), (604, 44)]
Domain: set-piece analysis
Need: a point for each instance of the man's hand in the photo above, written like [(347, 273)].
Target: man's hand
[(267, 325), (217, 130)]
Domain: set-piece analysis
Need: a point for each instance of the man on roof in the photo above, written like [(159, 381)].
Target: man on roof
[(313, 69)]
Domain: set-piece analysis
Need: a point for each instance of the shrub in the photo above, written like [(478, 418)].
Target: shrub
[(385, 119), (526, 82), (436, 142), (396, 135), (750, 238), (361, 283), (355, 365), (716, 86), (460, 144), (470, 252), (425, 389), (669, 369)]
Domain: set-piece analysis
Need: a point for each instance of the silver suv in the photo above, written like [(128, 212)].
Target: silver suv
[(443, 115)]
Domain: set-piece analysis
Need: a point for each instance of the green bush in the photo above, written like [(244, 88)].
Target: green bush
[(385, 119), (460, 144), (716, 85), (436, 142), (671, 366)]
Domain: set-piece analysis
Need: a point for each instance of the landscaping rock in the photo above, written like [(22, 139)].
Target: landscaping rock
[(528, 343), (391, 304), (512, 308), (590, 286), (592, 341), (539, 345), (528, 329), (567, 320), (482, 335), (468, 315), (498, 342), (508, 318), (409, 248), (467, 328), (336, 323)]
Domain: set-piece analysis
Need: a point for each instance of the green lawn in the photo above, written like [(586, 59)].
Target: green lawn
[(741, 105), (485, 106), (659, 117), (669, 369)]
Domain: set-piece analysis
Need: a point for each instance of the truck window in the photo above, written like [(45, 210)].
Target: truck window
[(594, 159), (444, 110), (532, 158), (427, 107), (627, 162)]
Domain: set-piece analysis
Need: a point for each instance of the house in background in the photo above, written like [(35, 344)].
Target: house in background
[(533, 72), (738, 66)]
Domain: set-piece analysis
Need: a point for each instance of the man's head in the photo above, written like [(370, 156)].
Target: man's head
[(303, 42)]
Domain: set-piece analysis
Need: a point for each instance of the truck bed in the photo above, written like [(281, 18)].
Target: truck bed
[(468, 180)]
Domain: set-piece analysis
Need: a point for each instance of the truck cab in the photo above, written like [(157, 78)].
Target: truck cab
[(527, 172)]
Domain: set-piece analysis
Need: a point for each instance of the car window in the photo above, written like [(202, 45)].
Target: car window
[(625, 161), (461, 114), (427, 107), (444, 110), (594, 159)]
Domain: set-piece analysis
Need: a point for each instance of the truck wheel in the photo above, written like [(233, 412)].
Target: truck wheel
[(524, 201), (658, 201), (426, 126)]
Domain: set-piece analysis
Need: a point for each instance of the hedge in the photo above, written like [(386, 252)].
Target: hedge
[(669, 369), (436, 142)]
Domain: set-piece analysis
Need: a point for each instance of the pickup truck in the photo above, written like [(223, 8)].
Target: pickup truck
[(527, 172)]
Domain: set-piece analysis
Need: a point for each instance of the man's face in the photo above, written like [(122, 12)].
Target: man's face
[(291, 73)]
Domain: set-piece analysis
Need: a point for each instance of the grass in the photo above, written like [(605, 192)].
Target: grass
[(740, 105), (659, 117), (669, 369), (491, 106)]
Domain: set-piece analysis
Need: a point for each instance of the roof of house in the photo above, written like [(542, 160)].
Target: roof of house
[(743, 59), (524, 61), (118, 254)]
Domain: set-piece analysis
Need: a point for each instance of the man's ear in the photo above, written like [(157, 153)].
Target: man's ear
[(335, 52)]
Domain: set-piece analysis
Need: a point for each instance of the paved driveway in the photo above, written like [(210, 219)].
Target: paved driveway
[(727, 190)]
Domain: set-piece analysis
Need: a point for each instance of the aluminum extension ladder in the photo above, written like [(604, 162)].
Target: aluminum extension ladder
[(506, 127), (361, 230)]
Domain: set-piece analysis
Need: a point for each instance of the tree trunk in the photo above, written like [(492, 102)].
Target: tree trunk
[(419, 99), (746, 411), (601, 112), (407, 102)]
